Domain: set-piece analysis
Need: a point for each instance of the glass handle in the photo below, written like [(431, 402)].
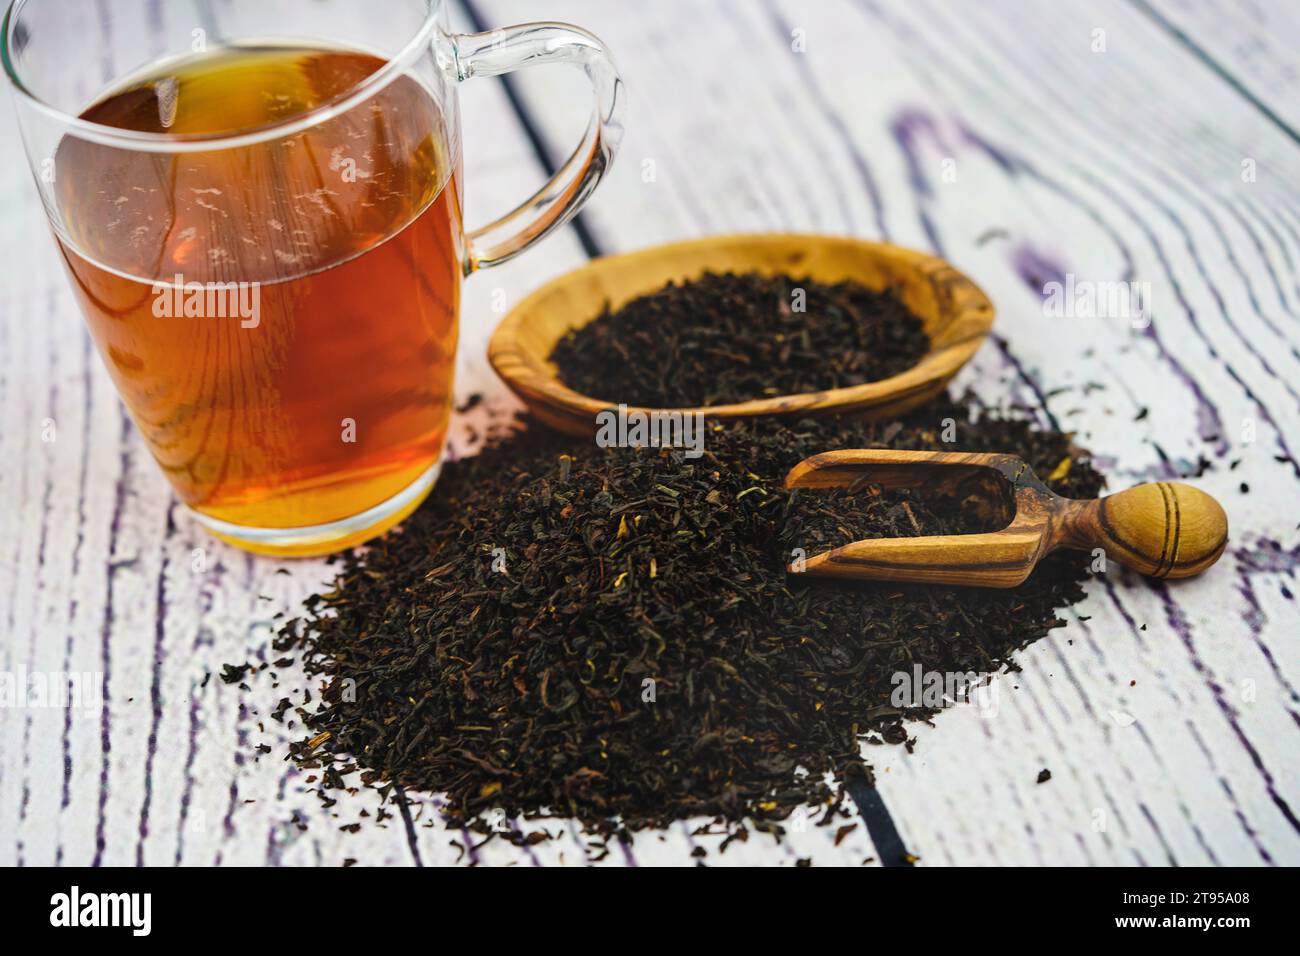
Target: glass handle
[(533, 44)]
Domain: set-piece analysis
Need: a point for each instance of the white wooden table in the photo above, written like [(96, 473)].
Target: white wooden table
[(1025, 141)]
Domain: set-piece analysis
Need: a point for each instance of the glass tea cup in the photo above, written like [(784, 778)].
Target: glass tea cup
[(260, 213)]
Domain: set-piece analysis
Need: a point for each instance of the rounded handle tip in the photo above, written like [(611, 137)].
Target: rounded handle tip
[(1165, 529)]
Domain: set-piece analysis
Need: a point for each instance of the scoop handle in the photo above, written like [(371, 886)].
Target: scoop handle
[(1164, 529)]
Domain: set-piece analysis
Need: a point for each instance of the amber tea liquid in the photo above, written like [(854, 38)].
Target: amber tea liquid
[(280, 316)]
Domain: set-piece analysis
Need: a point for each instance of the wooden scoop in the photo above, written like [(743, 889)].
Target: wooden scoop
[(1165, 529)]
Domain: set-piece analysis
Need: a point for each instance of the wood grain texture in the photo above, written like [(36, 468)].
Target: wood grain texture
[(1162, 529), (1169, 713), (957, 317), (1166, 712), (1252, 46)]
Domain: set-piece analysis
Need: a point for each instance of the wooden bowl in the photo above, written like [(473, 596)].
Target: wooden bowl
[(957, 317)]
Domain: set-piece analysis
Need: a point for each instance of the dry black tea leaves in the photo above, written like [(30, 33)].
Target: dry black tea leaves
[(611, 635), (730, 337)]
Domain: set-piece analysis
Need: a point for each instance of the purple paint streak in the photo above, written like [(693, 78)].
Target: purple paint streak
[(155, 687), (1174, 615), (106, 638)]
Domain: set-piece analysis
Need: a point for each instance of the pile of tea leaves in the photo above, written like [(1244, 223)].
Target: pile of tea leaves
[(611, 635), (730, 337)]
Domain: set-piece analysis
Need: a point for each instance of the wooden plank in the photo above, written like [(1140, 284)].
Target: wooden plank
[(1223, 314), (1111, 166), (1251, 45), (1115, 165), (105, 574)]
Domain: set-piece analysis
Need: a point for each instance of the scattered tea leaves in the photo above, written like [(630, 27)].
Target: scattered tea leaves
[(641, 656)]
